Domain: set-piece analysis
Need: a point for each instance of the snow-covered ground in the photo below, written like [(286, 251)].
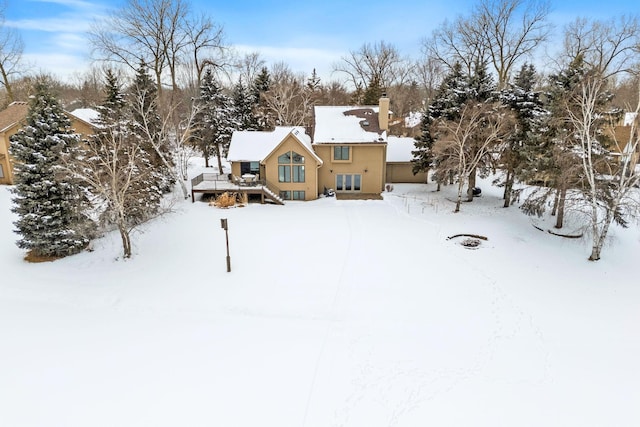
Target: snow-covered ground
[(336, 313)]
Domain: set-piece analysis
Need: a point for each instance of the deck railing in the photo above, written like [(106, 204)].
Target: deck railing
[(208, 177)]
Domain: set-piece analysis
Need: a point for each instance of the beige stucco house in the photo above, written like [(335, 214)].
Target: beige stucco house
[(283, 159), (11, 121), (351, 154), (352, 143)]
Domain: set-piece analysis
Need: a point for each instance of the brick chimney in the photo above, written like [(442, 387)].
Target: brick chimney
[(383, 112)]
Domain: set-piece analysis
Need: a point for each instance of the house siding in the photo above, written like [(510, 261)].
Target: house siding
[(5, 158), (367, 160), (402, 172), (310, 184)]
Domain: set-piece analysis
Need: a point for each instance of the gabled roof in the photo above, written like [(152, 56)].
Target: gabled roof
[(255, 146), (344, 124), (14, 113), (88, 115), (399, 149)]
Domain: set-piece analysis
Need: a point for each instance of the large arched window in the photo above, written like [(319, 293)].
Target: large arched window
[(290, 167)]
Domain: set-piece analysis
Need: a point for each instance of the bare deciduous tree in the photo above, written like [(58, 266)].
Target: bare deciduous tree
[(379, 62), (454, 42), (608, 183), (11, 49), (160, 33), (501, 32), (205, 42), (610, 47), (512, 29), (249, 66), (161, 138), (428, 73), (288, 98)]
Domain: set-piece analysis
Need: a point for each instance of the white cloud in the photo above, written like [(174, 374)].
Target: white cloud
[(52, 25), (60, 65)]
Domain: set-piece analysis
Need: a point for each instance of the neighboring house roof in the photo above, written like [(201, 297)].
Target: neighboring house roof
[(344, 124), (253, 146), (399, 149), (629, 118), (88, 115), (15, 112), (413, 119)]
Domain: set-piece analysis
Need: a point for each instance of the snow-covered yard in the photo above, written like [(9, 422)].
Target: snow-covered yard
[(336, 313)]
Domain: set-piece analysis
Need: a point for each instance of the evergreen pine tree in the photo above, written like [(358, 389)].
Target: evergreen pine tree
[(243, 104), (313, 82), (261, 85), (520, 148), (147, 125), (50, 205), (215, 121), (373, 92), (555, 160)]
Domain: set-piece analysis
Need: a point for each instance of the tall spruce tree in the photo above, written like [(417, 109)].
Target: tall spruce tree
[(555, 160), (373, 92), (50, 205), (519, 150), (243, 104), (215, 121), (259, 88)]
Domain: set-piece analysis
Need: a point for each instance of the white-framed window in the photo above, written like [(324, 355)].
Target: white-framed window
[(348, 182), (1, 171)]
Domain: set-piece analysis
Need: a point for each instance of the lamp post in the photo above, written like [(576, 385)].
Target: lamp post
[(224, 226)]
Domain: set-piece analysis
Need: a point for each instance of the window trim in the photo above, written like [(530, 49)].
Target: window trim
[(293, 170), (352, 182), (341, 159)]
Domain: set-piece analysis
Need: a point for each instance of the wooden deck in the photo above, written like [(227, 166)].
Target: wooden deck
[(215, 185)]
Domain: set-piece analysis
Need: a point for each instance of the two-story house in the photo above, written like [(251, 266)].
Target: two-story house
[(349, 154)]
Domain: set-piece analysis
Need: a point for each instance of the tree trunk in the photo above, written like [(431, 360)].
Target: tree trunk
[(472, 184), (561, 204), (555, 203), (126, 241), (508, 187), (459, 199), (206, 161), (7, 84), (219, 156)]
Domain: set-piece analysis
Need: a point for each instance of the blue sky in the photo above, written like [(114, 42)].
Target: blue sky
[(306, 35)]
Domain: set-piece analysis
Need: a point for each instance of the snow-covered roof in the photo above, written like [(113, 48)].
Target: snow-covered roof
[(413, 119), (347, 124), (88, 115), (399, 149), (629, 118), (253, 146)]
